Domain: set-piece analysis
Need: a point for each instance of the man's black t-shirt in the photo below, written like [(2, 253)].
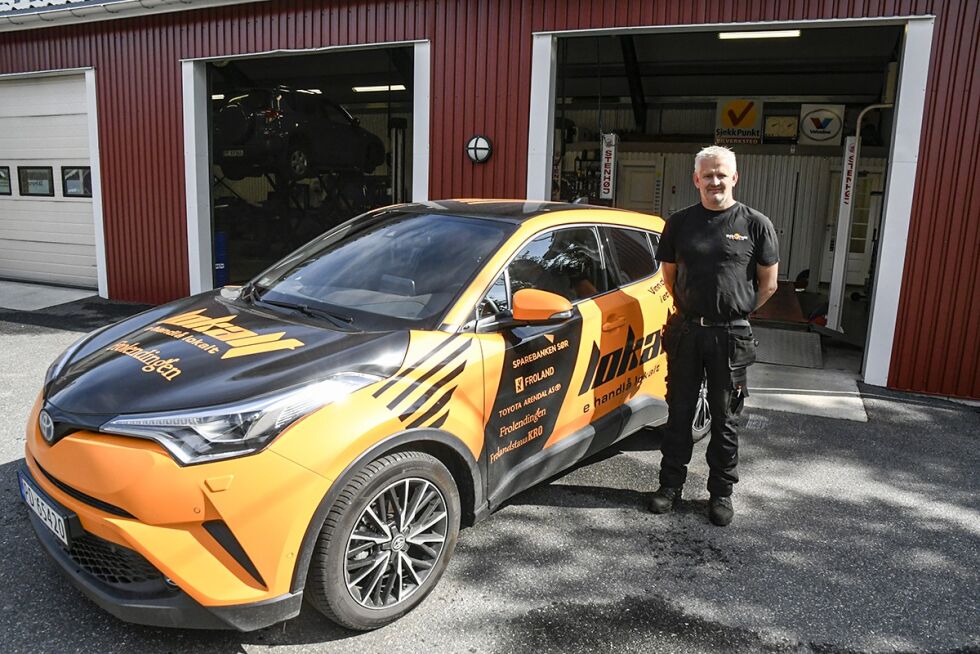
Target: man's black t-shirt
[(716, 253)]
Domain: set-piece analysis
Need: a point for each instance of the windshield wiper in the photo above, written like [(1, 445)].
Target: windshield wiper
[(342, 321), (251, 293)]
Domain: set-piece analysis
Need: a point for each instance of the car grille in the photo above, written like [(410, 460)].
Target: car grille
[(116, 565), (82, 497)]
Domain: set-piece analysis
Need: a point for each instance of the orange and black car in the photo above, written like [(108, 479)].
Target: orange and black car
[(324, 430)]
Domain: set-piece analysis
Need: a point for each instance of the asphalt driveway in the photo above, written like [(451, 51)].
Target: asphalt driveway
[(848, 537)]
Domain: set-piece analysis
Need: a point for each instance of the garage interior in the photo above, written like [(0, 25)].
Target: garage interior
[(659, 92), (300, 144)]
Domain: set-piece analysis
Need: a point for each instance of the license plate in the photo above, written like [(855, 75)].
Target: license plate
[(45, 510), (234, 153)]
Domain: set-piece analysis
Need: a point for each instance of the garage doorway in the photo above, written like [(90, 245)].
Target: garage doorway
[(663, 91), (288, 145)]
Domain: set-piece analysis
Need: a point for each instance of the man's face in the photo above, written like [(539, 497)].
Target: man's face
[(715, 179)]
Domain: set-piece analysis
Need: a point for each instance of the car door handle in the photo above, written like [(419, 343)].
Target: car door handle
[(613, 324)]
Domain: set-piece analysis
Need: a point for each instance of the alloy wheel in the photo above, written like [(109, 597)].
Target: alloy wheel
[(395, 543)]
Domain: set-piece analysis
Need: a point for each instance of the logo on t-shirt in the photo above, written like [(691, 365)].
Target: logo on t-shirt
[(737, 237)]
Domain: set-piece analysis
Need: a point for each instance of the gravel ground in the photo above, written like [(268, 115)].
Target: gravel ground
[(848, 537)]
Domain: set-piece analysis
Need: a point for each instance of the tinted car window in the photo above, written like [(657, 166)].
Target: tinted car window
[(631, 254), (565, 261), (399, 270)]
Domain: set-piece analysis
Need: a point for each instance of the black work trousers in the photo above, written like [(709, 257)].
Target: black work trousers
[(693, 353)]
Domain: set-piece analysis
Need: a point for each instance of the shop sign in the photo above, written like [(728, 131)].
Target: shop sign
[(848, 174), (607, 167), (738, 120), (821, 124)]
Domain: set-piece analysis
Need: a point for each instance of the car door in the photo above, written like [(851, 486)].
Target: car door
[(541, 416), (644, 303)]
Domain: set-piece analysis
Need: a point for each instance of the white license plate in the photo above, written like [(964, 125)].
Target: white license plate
[(234, 153), (47, 513)]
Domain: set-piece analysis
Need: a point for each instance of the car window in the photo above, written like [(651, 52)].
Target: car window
[(631, 254), (564, 261), (401, 270), (497, 299)]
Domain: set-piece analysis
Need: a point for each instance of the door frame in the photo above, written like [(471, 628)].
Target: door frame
[(902, 158)]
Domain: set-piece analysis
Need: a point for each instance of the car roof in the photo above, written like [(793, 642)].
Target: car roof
[(511, 211)]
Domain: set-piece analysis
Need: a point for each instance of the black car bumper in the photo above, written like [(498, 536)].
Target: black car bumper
[(123, 583)]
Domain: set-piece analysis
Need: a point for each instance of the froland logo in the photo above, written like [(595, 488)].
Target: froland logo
[(242, 342), (736, 237), (603, 368)]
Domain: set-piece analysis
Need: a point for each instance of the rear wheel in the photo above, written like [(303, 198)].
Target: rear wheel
[(386, 541), (298, 161)]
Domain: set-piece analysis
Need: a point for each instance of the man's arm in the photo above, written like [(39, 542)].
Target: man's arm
[(670, 274), (766, 276)]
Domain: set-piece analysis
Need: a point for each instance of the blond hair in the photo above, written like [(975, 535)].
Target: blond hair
[(715, 152)]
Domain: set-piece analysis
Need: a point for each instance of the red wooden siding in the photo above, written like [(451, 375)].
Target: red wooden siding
[(481, 83)]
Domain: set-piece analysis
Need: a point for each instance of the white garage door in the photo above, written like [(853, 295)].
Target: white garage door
[(47, 229)]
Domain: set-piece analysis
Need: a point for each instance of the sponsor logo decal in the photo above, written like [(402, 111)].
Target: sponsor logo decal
[(604, 368), (736, 237), (151, 358), (241, 342)]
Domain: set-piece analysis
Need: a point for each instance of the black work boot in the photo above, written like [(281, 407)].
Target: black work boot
[(720, 510), (665, 499)]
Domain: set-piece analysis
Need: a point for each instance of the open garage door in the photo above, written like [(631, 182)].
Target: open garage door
[(47, 231), (301, 143), (784, 105)]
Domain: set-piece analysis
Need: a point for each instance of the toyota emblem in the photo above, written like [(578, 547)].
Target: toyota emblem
[(47, 426)]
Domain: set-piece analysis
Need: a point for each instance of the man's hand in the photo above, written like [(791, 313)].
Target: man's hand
[(766, 276)]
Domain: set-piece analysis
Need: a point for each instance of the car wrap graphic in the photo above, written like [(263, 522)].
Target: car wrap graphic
[(438, 370), (535, 374)]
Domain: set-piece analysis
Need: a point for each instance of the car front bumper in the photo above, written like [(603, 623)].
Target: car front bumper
[(161, 604)]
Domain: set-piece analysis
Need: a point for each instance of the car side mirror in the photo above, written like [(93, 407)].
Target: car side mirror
[(534, 306)]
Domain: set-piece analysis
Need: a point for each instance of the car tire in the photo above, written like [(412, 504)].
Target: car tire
[(297, 162), (365, 574), (701, 425)]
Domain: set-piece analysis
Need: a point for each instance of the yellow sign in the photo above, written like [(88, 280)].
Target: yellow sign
[(738, 120)]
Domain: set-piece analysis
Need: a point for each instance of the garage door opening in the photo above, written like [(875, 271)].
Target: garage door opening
[(300, 144), (647, 101)]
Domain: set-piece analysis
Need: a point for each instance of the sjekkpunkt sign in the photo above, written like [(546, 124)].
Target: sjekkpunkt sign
[(738, 120), (607, 167), (821, 124)]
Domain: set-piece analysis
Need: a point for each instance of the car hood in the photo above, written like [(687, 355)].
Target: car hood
[(208, 350)]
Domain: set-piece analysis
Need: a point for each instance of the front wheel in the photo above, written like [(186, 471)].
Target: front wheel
[(386, 541)]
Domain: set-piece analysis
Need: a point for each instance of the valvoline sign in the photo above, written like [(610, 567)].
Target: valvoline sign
[(821, 124)]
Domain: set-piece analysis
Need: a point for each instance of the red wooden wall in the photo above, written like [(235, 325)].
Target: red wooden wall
[(481, 53)]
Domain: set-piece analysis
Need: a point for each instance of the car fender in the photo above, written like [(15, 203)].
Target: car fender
[(437, 442)]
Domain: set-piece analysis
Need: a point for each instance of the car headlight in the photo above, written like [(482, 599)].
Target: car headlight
[(231, 430)]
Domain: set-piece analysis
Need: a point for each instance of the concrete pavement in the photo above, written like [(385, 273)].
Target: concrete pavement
[(849, 536)]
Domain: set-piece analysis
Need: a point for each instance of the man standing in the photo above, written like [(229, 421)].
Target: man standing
[(719, 260)]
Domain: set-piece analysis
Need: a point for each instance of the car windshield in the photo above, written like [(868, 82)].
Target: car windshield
[(394, 270)]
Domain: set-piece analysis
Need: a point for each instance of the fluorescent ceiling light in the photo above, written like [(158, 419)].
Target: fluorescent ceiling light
[(760, 34), (310, 91), (375, 89), (218, 96)]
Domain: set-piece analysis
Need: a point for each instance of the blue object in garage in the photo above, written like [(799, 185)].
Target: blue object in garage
[(220, 259)]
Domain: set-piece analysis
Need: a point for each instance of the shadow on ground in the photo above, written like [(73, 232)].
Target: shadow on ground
[(849, 537)]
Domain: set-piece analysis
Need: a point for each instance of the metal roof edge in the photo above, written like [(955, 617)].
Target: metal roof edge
[(72, 14)]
